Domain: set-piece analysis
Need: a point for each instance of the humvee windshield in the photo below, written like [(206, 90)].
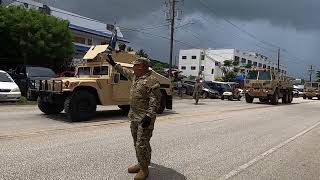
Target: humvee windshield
[(264, 75), (309, 85), (252, 75), (260, 75), (84, 71)]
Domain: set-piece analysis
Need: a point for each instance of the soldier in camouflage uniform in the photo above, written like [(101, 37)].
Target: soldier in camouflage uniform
[(197, 90), (145, 98)]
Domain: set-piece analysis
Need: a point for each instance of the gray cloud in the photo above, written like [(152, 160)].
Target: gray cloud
[(291, 24)]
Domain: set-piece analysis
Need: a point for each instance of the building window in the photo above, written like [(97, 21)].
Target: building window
[(194, 57), (183, 68), (184, 57), (249, 62), (237, 58), (202, 57), (202, 68), (216, 63), (255, 63), (212, 71), (268, 67), (80, 40), (285, 72), (243, 60), (264, 66), (272, 68), (89, 41), (193, 68), (259, 65)]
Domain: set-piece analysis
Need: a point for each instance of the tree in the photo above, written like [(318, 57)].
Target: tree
[(122, 46), (318, 75), (142, 53), (129, 49), (248, 66), (32, 37)]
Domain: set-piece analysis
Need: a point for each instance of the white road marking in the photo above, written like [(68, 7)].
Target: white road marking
[(265, 154)]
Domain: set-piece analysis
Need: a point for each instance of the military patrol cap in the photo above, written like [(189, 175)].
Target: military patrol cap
[(142, 60)]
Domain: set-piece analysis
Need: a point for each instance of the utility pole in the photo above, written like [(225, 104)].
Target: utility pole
[(279, 60), (171, 16), (311, 72)]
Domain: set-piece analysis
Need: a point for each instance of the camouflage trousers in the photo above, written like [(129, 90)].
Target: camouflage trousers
[(141, 139)]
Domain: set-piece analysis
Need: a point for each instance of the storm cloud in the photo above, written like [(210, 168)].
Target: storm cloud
[(291, 24)]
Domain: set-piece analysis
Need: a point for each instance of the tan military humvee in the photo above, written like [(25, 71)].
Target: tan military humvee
[(268, 85), (96, 83), (311, 90)]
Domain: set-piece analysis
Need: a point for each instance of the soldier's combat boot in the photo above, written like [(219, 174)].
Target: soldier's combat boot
[(142, 174), (134, 168)]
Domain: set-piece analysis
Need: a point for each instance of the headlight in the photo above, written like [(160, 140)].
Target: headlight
[(66, 84), (16, 89)]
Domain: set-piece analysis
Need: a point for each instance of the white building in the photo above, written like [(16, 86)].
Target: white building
[(209, 61)]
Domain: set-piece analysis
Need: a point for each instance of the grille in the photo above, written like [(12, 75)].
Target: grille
[(5, 90)]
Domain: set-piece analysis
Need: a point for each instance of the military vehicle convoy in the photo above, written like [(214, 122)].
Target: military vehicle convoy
[(268, 85), (96, 83), (311, 90)]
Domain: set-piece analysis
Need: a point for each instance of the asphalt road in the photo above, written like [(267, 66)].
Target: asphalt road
[(214, 140)]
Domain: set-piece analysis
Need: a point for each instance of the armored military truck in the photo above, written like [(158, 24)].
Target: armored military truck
[(311, 90), (96, 83), (268, 85)]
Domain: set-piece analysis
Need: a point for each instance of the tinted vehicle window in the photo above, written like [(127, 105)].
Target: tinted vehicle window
[(84, 71), (4, 77), (123, 78), (39, 72), (252, 75), (264, 75), (226, 87), (101, 70)]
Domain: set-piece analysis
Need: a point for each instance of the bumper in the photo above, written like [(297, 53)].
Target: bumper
[(11, 96), (258, 92), (52, 97), (311, 94)]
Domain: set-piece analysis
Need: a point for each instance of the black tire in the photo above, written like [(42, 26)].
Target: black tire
[(285, 98), (162, 104), (263, 100), (230, 98), (275, 98), (290, 98), (318, 97), (80, 106), (309, 97), (304, 97), (249, 99), (49, 108), (222, 97), (205, 95), (124, 108)]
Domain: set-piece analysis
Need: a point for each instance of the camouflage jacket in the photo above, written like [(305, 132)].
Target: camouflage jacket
[(145, 94)]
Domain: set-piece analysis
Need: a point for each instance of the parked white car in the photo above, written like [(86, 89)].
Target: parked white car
[(9, 90)]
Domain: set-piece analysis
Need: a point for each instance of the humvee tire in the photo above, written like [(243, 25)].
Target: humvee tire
[(80, 106), (162, 104), (49, 108), (263, 100), (274, 98), (290, 98), (309, 97), (249, 99), (285, 98)]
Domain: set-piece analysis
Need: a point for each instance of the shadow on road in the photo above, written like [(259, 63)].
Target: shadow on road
[(159, 172), (101, 116)]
